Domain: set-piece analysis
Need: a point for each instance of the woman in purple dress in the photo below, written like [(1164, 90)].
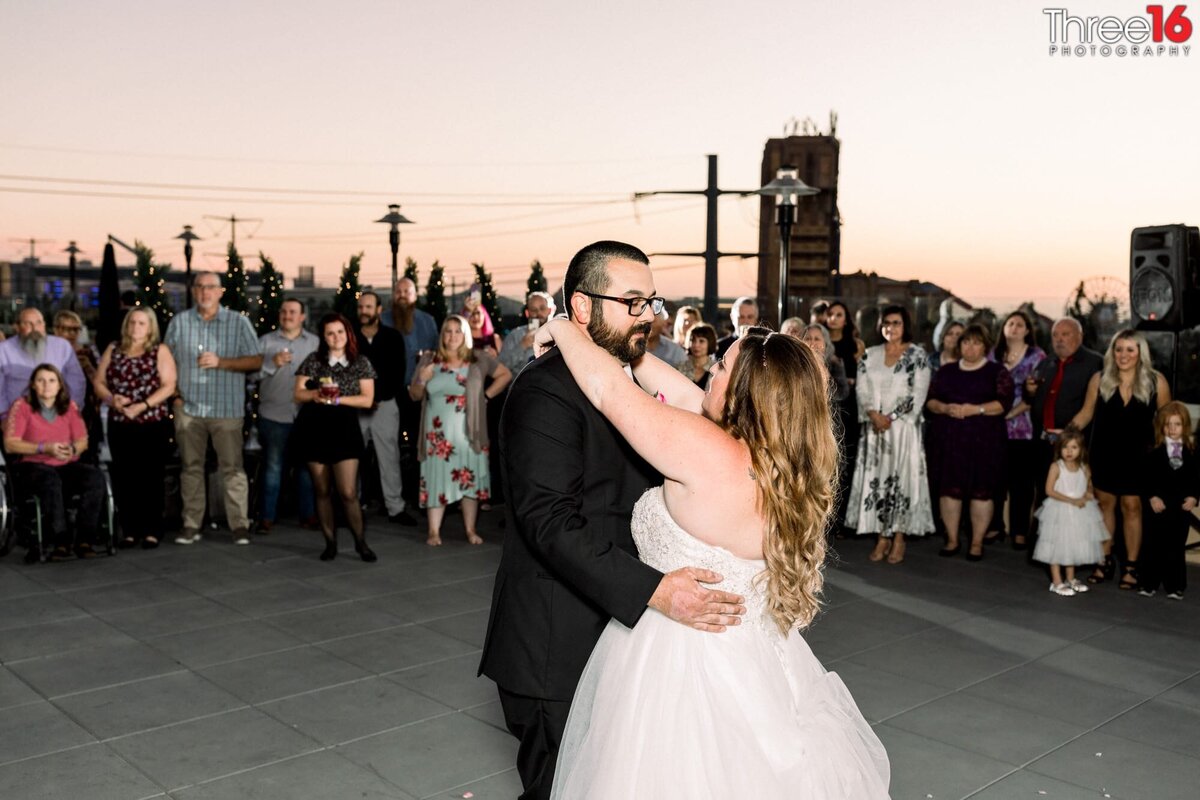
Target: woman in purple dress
[(969, 399), (1019, 354)]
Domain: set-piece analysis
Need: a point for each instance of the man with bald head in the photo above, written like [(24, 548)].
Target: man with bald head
[(29, 348), (1057, 387)]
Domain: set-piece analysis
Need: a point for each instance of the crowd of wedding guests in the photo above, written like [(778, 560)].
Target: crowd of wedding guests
[(974, 440)]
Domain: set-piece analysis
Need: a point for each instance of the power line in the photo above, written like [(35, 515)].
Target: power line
[(289, 202), (207, 187), (297, 162)]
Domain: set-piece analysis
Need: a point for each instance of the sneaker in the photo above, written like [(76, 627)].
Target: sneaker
[(188, 537), (1079, 586), (241, 536), (1146, 592), (1175, 595), (1062, 589), (403, 518)]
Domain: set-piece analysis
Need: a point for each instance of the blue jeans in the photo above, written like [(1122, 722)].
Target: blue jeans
[(273, 436)]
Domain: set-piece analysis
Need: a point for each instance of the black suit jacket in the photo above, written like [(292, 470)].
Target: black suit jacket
[(1071, 394), (1172, 486), (569, 563), (724, 343)]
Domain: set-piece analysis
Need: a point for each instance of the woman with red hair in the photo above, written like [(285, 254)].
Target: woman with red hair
[(332, 384)]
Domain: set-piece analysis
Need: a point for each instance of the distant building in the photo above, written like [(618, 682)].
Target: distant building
[(815, 241)]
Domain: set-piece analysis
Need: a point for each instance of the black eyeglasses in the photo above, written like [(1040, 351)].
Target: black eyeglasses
[(636, 305)]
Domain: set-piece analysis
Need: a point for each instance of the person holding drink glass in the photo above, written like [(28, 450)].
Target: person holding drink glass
[(213, 349), (283, 350), (331, 386)]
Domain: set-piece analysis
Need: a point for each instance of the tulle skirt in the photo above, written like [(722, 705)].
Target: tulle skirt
[(1069, 535), (667, 711)]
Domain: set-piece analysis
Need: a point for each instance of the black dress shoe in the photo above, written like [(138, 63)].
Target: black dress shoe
[(974, 556), (950, 552), (403, 518), (330, 551)]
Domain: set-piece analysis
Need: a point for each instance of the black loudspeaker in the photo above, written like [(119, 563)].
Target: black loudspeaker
[(1177, 356), (1164, 277)]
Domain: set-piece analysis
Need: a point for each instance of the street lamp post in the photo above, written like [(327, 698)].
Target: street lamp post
[(188, 237), (395, 219), (787, 188), (72, 274)]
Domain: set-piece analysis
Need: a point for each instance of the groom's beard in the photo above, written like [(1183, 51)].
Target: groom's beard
[(622, 346), (34, 346)]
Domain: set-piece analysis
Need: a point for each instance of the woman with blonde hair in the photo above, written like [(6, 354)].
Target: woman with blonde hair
[(686, 317), (136, 378), (750, 470), (453, 448), (1120, 404)]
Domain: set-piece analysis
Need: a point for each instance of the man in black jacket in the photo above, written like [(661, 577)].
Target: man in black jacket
[(569, 562)]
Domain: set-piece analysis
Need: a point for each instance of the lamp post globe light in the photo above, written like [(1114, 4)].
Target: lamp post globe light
[(395, 219), (188, 237), (72, 272), (787, 189)]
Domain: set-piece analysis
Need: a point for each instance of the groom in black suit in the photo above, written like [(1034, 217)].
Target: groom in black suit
[(569, 562)]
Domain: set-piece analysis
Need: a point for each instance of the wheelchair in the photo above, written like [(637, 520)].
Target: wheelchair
[(21, 520)]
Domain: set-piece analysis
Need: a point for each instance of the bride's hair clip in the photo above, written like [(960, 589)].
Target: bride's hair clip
[(766, 339)]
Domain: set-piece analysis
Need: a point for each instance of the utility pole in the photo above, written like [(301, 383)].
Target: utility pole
[(711, 253), (233, 220), (33, 243)]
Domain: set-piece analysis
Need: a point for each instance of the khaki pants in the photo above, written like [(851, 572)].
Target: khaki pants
[(192, 434)]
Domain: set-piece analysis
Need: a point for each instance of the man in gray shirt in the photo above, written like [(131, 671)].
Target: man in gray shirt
[(517, 349), (214, 348), (282, 350), (663, 347)]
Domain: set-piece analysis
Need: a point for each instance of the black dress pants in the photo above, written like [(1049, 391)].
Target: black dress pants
[(139, 461), (1163, 558), (539, 725), (54, 486), (1022, 471)]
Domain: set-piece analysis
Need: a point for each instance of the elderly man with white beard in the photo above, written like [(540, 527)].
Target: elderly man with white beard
[(30, 347)]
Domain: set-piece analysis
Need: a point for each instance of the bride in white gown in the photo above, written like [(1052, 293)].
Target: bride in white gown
[(663, 710)]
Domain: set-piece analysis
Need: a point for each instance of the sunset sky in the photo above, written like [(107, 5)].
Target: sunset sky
[(519, 129)]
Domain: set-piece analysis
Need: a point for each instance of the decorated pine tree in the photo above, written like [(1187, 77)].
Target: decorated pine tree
[(234, 281), (537, 279), (410, 271), (266, 317), (435, 294), (151, 284), (488, 294), (345, 302)]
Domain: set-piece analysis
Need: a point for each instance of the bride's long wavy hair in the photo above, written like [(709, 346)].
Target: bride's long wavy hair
[(777, 402)]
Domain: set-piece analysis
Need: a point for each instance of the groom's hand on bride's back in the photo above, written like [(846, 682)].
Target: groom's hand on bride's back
[(683, 597)]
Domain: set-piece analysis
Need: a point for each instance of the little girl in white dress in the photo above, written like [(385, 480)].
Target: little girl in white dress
[(1071, 529)]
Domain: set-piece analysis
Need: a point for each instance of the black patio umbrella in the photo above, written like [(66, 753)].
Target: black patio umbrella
[(109, 328)]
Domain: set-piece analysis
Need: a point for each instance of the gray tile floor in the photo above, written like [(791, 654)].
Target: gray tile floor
[(215, 671)]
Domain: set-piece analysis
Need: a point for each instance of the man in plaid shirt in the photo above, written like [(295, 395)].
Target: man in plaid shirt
[(214, 348)]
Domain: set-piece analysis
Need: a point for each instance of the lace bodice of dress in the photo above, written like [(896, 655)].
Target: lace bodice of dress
[(665, 546), (1072, 484)]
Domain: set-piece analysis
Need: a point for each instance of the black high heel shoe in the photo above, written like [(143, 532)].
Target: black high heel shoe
[(1129, 576), (1103, 572), (330, 552), (364, 552)]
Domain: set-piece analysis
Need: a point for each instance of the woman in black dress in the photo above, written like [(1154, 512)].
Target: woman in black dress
[(1120, 404), (850, 349), (969, 399), (332, 384)]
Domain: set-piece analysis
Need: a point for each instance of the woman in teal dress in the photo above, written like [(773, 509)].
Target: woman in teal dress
[(453, 449)]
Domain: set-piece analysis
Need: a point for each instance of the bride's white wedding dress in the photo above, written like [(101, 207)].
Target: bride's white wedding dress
[(663, 710)]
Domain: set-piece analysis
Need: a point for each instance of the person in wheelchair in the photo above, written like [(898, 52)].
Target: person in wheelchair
[(46, 434)]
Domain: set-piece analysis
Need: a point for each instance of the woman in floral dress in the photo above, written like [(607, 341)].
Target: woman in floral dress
[(889, 494), (453, 448)]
